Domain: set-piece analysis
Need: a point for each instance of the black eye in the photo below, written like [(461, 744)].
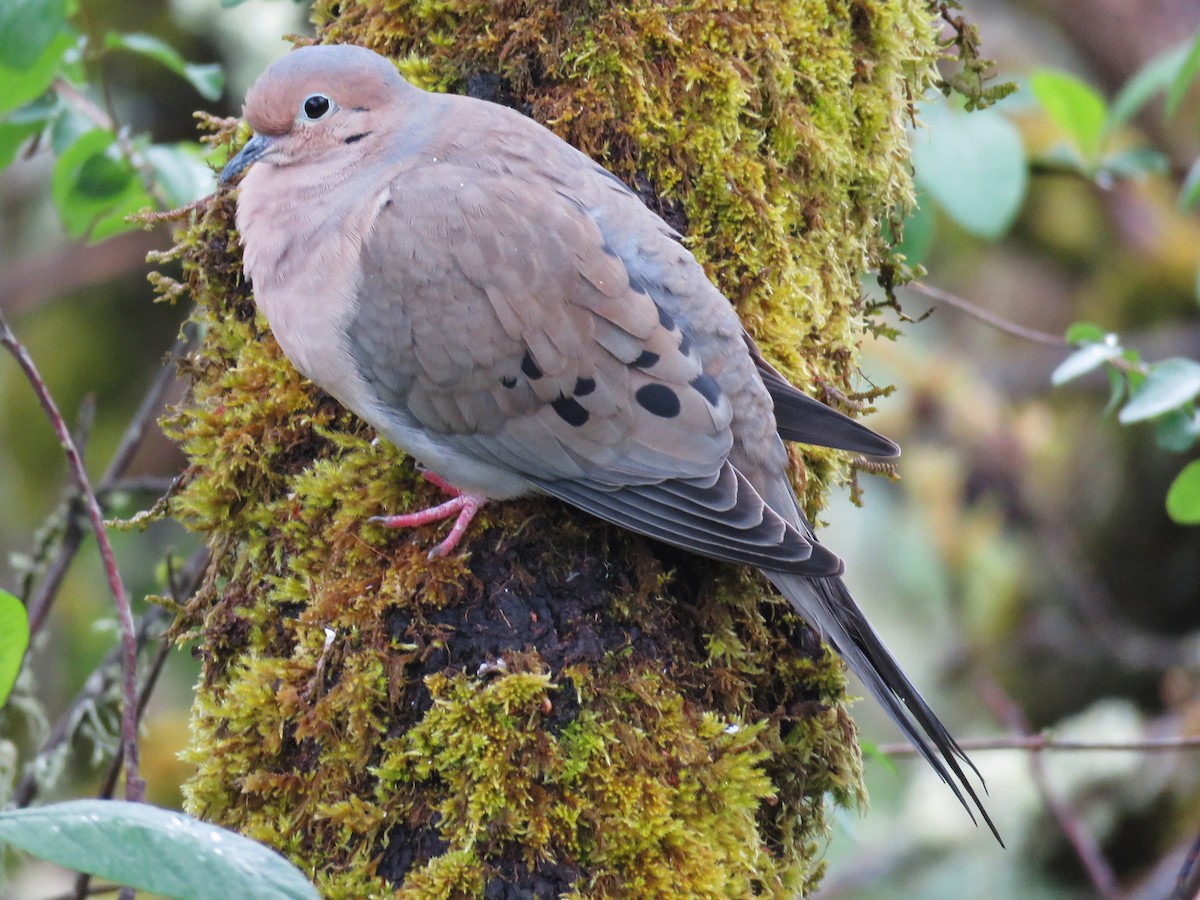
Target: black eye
[(315, 106)]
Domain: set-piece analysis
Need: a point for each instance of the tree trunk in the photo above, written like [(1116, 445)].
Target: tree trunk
[(565, 709)]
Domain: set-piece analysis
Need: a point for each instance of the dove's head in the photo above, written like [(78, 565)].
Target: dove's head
[(316, 100)]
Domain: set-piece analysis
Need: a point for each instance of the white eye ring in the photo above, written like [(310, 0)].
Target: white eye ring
[(316, 107)]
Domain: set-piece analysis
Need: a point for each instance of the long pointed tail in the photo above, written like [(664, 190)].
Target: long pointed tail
[(826, 603)]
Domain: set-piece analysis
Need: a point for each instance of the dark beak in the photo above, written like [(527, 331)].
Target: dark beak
[(254, 148)]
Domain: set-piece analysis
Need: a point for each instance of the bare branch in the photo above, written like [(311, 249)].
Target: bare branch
[(1029, 334), (40, 601), (1098, 870), (1038, 743), (134, 786)]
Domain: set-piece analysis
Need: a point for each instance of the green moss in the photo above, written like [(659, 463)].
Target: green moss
[(566, 708)]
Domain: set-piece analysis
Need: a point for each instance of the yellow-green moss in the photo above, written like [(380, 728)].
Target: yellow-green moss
[(567, 709)]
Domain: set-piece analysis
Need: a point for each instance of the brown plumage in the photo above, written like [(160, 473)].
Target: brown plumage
[(510, 314)]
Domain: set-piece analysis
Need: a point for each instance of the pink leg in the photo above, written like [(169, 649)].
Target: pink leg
[(439, 482), (464, 506)]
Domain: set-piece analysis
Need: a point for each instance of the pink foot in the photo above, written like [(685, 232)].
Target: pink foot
[(464, 506)]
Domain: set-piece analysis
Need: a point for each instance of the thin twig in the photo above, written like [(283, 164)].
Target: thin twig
[(40, 601), (134, 786), (181, 588), (1098, 870), (1029, 334), (1187, 884), (1042, 742)]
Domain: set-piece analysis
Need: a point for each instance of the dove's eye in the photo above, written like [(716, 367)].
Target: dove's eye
[(316, 106)]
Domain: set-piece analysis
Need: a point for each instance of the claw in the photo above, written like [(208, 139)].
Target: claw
[(464, 506)]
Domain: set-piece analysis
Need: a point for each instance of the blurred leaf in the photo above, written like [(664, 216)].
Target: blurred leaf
[(1183, 496), (91, 181), (68, 127), (1151, 78), (918, 234), (208, 80), (12, 136), (1082, 361), (1074, 106), (27, 28), (1176, 431), (973, 165), (155, 850), (14, 639), (181, 171), (23, 85), (1134, 162), (871, 753), (1184, 77), (24, 123), (1189, 194), (1169, 384), (1117, 386), (1085, 333)]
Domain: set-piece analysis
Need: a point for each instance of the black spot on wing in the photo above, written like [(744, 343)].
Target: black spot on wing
[(635, 283), (664, 318), (708, 388), (659, 400), (584, 386), (685, 343), (509, 381), (646, 359), (570, 411), (529, 367)]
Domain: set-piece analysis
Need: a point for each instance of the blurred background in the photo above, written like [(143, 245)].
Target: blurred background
[(1023, 568)]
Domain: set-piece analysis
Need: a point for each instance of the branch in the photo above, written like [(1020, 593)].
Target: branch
[(181, 589), (134, 786), (1038, 743), (1098, 870), (1029, 334), (40, 601)]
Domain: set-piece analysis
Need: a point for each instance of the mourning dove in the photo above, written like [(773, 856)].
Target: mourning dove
[(509, 313)]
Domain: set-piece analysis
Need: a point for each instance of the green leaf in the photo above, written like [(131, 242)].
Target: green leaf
[(1151, 78), (152, 849), (1134, 162), (918, 234), (1169, 384), (1084, 360), (14, 640), (1183, 496), (23, 85), (1176, 431), (94, 187), (1184, 77), (27, 28), (1074, 106), (181, 172), (12, 136), (208, 80), (1117, 386), (973, 165), (1086, 333)]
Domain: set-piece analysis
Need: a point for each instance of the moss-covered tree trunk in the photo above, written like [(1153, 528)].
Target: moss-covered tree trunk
[(564, 709)]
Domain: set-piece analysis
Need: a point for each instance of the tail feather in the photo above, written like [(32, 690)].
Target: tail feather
[(826, 603)]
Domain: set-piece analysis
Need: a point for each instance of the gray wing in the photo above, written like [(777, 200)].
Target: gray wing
[(525, 344)]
